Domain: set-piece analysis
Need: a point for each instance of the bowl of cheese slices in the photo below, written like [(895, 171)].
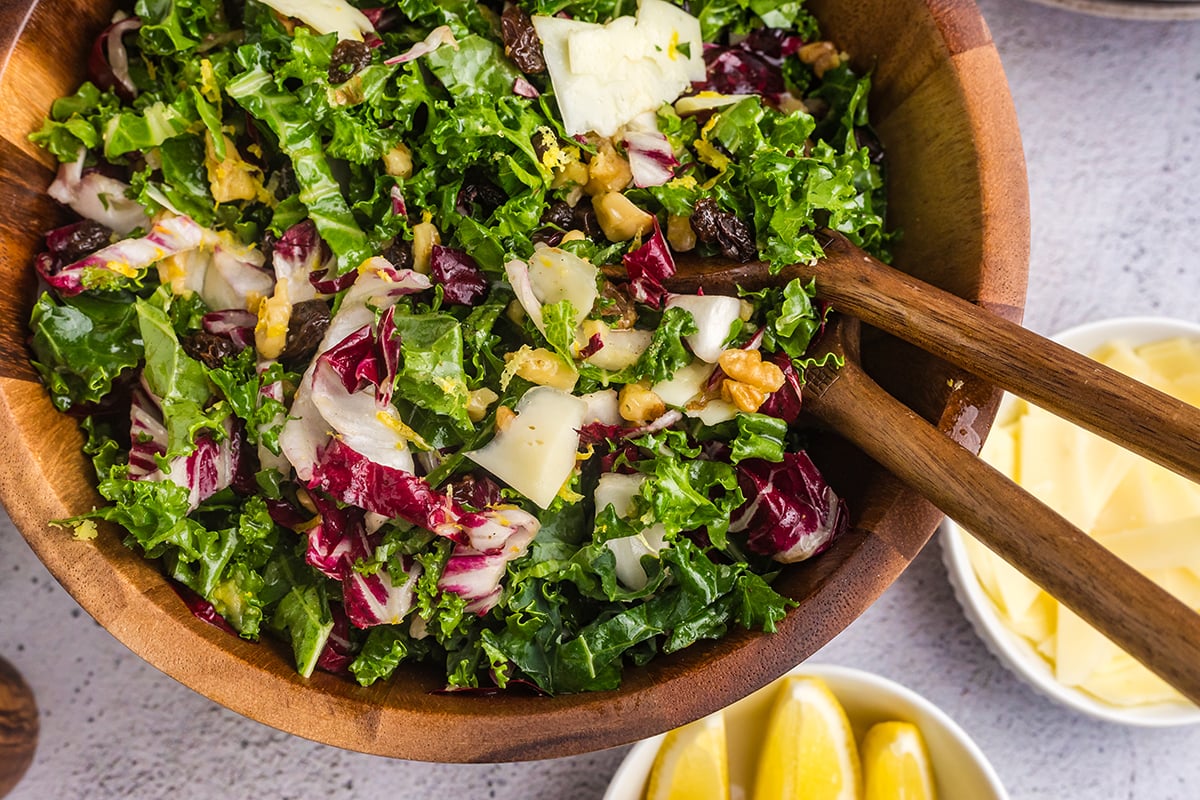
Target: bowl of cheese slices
[(1147, 515)]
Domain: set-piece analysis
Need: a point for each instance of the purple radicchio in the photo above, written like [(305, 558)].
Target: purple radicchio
[(125, 259), (751, 66), (523, 88), (235, 324), (202, 609), (462, 281), (297, 256), (339, 648), (651, 158), (210, 467), (792, 513), (352, 478), (322, 400), (784, 402), (496, 537), (648, 267), (108, 62), (338, 547)]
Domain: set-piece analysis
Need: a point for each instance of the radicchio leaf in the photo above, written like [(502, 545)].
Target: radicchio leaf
[(792, 513), (651, 158), (784, 402), (474, 572), (339, 648), (462, 281), (108, 62), (202, 609), (125, 259), (338, 547), (753, 65), (648, 267), (350, 477)]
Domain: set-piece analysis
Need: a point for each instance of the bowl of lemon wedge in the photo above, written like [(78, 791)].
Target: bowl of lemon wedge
[(820, 731)]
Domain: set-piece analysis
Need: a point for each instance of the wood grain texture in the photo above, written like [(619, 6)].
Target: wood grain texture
[(18, 727), (944, 111)]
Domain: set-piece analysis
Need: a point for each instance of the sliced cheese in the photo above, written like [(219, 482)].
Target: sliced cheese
[(1146, 515), (1125, 682), (1157, 547), (556, 275), (713, 412), (685, 385), (606, 75), (1173, 359), (1081, 648), (619, 348), (535, 453)]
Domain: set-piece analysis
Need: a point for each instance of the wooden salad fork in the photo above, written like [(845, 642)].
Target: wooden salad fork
[(1134, 612)]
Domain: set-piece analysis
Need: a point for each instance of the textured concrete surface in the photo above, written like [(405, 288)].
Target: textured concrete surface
[(1110, 113)]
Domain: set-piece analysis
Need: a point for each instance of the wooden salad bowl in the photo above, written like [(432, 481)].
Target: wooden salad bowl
[(956, 173)]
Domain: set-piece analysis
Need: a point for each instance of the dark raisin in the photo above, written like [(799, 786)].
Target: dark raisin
[(306, 327), (209, 348), (478, 197), (723, 229), (521, 42), (76, 241), (558, 214), (865, 137), (556, 220), (347, 59), (399, 253), (585, 219)]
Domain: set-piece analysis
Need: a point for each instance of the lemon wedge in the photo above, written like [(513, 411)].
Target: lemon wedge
[(809, 751), (896, 763), (692, 763)]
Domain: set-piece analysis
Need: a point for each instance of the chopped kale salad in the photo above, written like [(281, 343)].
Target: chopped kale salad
[(365, 320)]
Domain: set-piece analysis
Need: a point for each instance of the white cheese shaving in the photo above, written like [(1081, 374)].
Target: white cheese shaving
[(605, 75)]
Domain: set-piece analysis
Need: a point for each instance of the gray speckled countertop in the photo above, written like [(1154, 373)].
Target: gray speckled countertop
[(1110, 114)]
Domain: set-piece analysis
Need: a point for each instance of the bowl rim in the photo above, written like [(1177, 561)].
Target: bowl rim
[(628, 782), (113, 584), (1012, 650)]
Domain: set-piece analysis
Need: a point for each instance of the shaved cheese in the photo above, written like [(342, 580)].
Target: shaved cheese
[(685, 385), (326, 16), (606, 75), (621, 348), (1146, 515), (535, 453), (714, 412), (556, 275)]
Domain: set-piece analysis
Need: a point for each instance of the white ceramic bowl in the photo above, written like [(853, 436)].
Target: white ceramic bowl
[(959, 766), (1012, 650)]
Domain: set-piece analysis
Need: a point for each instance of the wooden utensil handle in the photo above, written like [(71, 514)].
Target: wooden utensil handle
[(1134, 612), (1135, 416)]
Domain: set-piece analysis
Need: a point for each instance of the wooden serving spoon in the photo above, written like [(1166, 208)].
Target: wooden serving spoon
[(1137, 417), (1135, 613)]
